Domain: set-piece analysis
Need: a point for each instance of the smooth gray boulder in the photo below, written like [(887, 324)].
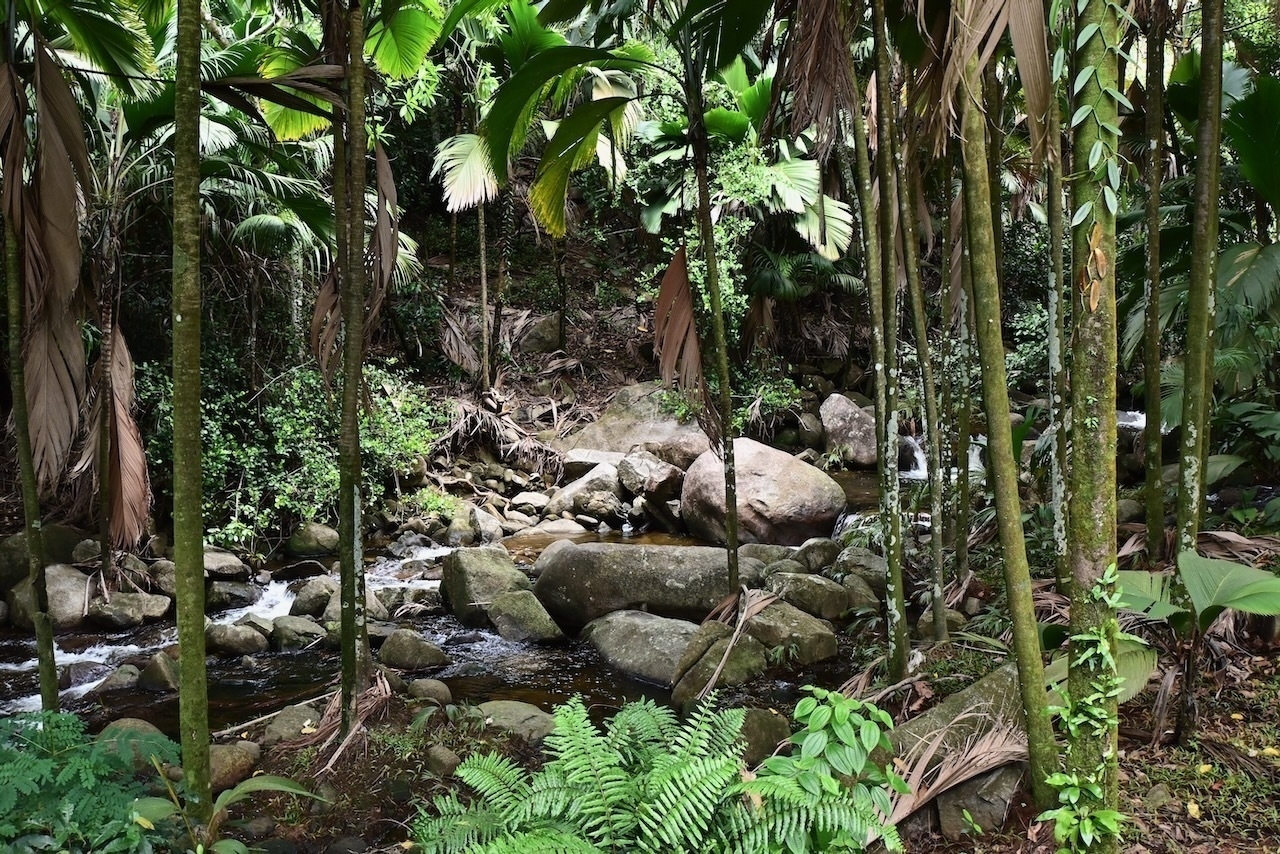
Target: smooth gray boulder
[(641, 644), (59, 542), (642, 473), (229, 764), (924, 626), (780, 499), (519, 616), (518, 718), (408, 650), (127, 610), (984, 801), (294, 632), (431, 689), (762, 731), (373, 607), (812, 594), (635, 417), (222, 595), (817, 554), (487, 526), (222, 639), (579, 461), (68, 598), (472, 578), (602, 478), (870, 567), (578, 582), (746, 661), (312, 539), (123, 677), (220, 563), (164, 575), (766, 552), (860, 594), (289, 723), (160, 675), (849, 428), (313, 596), (530, 502), (802, 635)]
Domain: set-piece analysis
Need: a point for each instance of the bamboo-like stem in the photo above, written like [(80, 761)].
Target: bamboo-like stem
[(1057, 302), (1154, 482)]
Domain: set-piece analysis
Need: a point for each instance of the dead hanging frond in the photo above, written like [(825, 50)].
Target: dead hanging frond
[(1003, 744), (326, 324), (1222, 545), (457, 342), (748, 604), (675, 340), (479, 427), (816, 69), (127, 476)]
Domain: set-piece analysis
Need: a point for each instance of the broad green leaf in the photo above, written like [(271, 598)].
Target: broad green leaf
[(460, 10), (1219, 466), (263, 783), (1214, 585), (1135, 662), (829, 231), (720, 29), (398, 42), (463, 163), (1147, 593), (735, 76), (550, 185), (796, 184), (1254, 133), (727, 124)]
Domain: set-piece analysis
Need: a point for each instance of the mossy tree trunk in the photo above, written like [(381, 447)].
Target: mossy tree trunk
[(1154, 484), (1004, 468), (357, 663), (188, 519), (1091, 484), (884, 325), (1057, 302), (1198, 362)]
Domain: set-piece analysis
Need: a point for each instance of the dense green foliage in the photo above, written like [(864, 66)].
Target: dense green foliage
[(270, 454), (646, 782), (63, 791)]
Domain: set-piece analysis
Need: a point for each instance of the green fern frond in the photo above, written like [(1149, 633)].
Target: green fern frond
[(686, 799), (540, 842), (498, 781)]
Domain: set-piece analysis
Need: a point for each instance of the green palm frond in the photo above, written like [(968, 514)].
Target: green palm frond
[(464, 166)]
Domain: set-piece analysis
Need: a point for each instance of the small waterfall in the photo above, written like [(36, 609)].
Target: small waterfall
[(919, 469), (1134, 420), (275, 602)]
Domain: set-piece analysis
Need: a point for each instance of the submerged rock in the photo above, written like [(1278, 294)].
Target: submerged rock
[(520, 617), (518, 718), (474, 577)]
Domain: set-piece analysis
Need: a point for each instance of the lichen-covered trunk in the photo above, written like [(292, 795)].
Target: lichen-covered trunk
[(357, 665), (1091, 484), (980, 232), (188, 519), (47, 664), (1198, 361), (1057, 303), (720, 355), (884, 326), (1154, 482)]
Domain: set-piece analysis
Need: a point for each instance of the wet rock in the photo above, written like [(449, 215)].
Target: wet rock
[(518, 718), (767, 552), (229, 764), (258, 623), (222, 595), (461, 532), (780, 500), (123, 677), (299, 570), (986, 798), (924, 626), (127, 610), (474, 577), (590, 508), (313, 596), (59, 542), (579, 582), (312, 539), (812, 594), (701, 641), (520, 617), (373, 607), (164, 575), (762, 731), (601, 478), (68, 593), (530, 502), (222, 639), (860, 594), (870, 567), (80, 673), (488, 527), (289, 723), (408, 650), (746, 661), (160, 675), (850, 428), (580, 461), (442, 761), (817, 554), (642, 473), (294, 633), (803, 636), (431, 689), (641, 644), (220, 563)]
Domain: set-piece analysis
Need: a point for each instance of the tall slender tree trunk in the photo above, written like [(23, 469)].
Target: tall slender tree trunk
[(1091, 483), (188, 520), (884, 327), (356, 659), (1057, 303), (706, 231), (1004, 468), (506, 229), (1198, 361), (47, 664), (486, 356), (1157, 14), (964, 413), (933, 425)]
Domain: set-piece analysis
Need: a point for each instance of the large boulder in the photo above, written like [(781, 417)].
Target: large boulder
[(804, 637), (850, 428), (313, 596), (520, 617), (59, 542), (580, 582), (579, 461), (288, 724), (373, 607), (475, 577), (229, 764), (641, 644), (642, 473), (223, 639), (160, 675), (602, 478), (408, 650), (127, 610), (780, 499), (865, 564), (294, 632), (746, 661), (812, 594), (220, 563), (312, 539), (222, 595), (635, 417), (518, 718), (68, 598)]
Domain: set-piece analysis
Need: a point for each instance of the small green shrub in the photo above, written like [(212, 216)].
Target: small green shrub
[(63, 791), (432, 500), (646, 782)]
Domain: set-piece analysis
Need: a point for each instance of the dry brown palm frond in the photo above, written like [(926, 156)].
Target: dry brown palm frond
[(326, 324), (816, 69), (477, 426), (857, 685), (457, 343), (130, 486), (1004, 743), (675, 340), (373, 702), (752, 602)]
